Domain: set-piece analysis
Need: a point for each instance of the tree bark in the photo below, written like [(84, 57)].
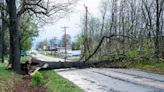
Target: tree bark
[(1, 35), (4, 27), (157, 30), (1, 51), (14, 38)]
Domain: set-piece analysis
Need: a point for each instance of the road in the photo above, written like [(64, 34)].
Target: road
[(47, 58), (110, 80), (114, 80)]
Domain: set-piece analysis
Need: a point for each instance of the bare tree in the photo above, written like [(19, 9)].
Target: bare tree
[(136, 25)]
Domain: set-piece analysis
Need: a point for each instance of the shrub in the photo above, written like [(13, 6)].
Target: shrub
[(132, 54), (37, 79)]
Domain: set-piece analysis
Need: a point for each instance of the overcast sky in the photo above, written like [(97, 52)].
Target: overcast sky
[(72, 21)]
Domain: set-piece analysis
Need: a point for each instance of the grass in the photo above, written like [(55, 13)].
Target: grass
[(7, 79), (4, 73), (57, 83), (23, 59), (150, 67)]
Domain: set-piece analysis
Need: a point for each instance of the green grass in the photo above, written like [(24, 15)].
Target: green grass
[(7, 79), (150, 67), (57, 83), (4, 73), (23, 59)]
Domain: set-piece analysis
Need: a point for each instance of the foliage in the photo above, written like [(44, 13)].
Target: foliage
[(23, 59), (66, 39), (41, 44), (27, 31), (78, 43), (152, 66), (57, 83), (132, 53), (137, 34), (37, 79)]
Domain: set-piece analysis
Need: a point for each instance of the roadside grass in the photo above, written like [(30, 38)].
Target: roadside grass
[(157, 67), (139, 62), (56, 83), (7, 79)]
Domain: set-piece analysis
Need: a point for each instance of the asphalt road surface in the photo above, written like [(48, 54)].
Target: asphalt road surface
[(47, 58), (114, 80), (110, 80)]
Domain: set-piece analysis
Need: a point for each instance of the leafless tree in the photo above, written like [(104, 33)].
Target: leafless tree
[(130, 20)]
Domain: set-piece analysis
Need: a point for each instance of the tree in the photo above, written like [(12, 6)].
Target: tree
[(66, 40), (41, 44), (14, 38), (53, 42), (76, 45), (159, 9), (1, 47), (137, 25), (3, 29), (27, 31), (35, 8)]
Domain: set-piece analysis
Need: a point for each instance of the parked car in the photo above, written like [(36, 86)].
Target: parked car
[(23, 53)]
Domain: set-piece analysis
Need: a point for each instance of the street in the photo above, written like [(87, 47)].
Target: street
[(82, 45), (47, 58), (114, 80), (110, 80)]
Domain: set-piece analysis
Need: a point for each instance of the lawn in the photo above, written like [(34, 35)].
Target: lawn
[(56, 83), (6, 79), (4, 74)]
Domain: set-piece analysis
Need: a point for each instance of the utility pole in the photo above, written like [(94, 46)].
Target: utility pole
[(65, 43), (86, 45)]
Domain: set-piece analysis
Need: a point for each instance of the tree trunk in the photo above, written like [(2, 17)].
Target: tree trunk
[(1, 52), (1, 36), (4, 27), (14, 38), (157, 30)]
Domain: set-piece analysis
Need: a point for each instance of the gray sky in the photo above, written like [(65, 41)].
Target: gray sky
[(72, 21)]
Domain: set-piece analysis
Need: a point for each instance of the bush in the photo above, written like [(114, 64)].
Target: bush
[(37, 79), (132, 54)]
